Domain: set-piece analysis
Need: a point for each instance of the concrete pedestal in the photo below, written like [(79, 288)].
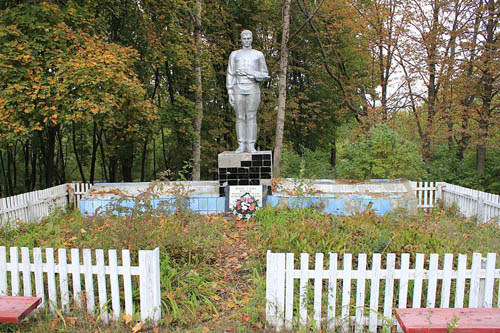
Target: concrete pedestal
[(244, 169)]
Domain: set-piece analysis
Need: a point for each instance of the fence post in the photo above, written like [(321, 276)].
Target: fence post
[(275, 289), (480, 209), (149, 283)]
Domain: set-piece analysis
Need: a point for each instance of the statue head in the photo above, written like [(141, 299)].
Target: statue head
[(246, 38)]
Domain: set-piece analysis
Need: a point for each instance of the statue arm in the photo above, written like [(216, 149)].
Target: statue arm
[(262, 74), (230, 76)]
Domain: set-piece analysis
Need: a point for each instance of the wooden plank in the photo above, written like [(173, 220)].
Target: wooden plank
[(13, 309), (439, 320)]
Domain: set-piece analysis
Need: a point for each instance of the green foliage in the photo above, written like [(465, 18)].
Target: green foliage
[(306, 230), (446, 167), (382, 153), (312, 164)]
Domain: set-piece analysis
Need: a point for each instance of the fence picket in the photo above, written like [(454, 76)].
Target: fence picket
[(389, 285), (115, 288), (3, 271), (346, 291), (304, 267), (332, 291), (51, 278), (127, 282), (432, 284), (75, 275), (25, 267), (474, 281), (101, 285), (14, 273), (89, 281), (460, 283), (403, 281), (419, 275), (374, 291), (318, 288), (63, 279), (37, 260), (446, 285), (360, 292), (489, 280)]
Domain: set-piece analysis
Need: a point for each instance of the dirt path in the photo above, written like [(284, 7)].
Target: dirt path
[(234, 288)]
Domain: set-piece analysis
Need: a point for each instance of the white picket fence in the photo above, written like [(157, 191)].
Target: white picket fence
[(471, 203), (484, 206), (33, 206), (365, 298), (426, 193), (52, 282)]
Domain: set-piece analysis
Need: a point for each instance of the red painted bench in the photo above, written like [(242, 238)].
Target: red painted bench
[(483, 320), (13, 309)]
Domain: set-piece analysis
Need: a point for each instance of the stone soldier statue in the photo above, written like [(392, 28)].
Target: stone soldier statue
[(246, 68)]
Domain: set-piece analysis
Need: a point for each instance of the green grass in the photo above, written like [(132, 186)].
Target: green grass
[(200, 290)]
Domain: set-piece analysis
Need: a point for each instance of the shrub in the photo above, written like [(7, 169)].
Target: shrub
[(382, 153), (312, 164)]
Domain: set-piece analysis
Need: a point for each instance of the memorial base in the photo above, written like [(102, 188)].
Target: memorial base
[(244, 169)]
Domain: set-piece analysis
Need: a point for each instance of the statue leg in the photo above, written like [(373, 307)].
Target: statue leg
[(251, 121), (239, 108)]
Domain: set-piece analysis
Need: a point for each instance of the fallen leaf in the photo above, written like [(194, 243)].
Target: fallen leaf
[(127, 318), (71, 320), (53, 323), (83, 231), (138, 327), (205, 329), (215, 297)]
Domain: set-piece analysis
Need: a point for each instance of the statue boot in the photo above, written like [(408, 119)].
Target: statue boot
[(252, 137), (240, 135)]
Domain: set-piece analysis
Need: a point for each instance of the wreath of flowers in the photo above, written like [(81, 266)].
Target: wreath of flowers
[(245, 206)]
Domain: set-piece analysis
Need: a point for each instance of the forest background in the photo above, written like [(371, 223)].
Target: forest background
[(122, 90)]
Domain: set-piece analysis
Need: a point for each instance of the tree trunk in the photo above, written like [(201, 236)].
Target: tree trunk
[(27, 159), (143, 159), (198, 94), (280, 119), (333, 153), (95, 146)]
